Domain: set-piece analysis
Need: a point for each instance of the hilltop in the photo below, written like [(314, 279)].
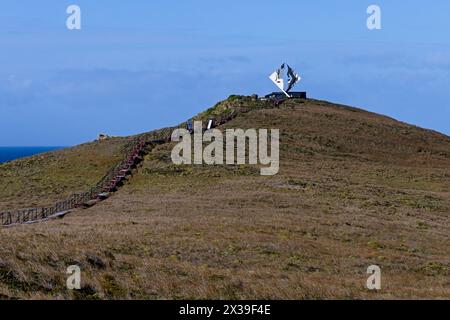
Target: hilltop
[(354, 189)]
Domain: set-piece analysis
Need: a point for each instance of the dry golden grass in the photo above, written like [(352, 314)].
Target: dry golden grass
[(354, 189)]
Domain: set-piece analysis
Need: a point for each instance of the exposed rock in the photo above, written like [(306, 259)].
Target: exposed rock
[(96, 261), (102, 136)]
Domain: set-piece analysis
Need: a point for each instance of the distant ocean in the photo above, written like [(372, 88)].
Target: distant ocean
[(12, 153)]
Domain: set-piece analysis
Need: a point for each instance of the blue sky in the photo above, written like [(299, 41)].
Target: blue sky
[(139, 65)]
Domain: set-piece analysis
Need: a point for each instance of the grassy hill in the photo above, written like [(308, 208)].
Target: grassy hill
[(46, 178), (354, 189)]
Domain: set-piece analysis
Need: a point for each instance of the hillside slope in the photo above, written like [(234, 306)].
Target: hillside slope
[(354, 189), (46, 178)]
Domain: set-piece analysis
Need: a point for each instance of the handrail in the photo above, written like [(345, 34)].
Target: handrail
[(108, 183)]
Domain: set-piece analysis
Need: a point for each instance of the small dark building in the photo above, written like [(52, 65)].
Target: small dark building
[(210, 124), (282, 96)]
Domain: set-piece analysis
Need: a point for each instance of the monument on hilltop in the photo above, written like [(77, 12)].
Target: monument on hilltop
[(285, 78)]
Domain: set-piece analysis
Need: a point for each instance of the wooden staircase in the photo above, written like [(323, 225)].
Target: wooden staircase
[(133, 154)]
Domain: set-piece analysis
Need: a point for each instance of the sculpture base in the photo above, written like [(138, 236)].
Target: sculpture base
[(282, 96)]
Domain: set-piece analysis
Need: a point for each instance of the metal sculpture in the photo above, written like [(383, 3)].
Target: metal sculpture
[(277, 77)]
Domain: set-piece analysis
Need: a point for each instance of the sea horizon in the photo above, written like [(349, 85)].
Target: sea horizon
[(10, 153)]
